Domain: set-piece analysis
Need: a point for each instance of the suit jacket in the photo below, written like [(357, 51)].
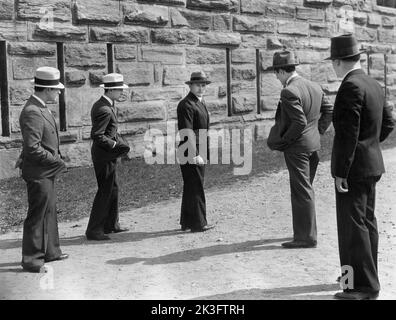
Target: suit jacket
[(361, 121), (104, 133), (40, 154), (193, 114), (303, 113)]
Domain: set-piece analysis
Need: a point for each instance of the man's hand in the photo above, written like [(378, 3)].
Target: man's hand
[(198, 160), (341, 185)]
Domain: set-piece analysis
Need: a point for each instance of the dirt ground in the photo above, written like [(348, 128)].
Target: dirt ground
[(241, 258)]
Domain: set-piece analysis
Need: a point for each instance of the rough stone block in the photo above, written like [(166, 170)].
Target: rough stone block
[(125, 52), (310, 14), (119, 34), (75, 78), (6, 9), (323, 73), (177, 19), (96, 11), (250, 41), (386, 36), (204, 56), (220, 39), (377, 61), (253, 6), (360, 18), (322, 3), (243, 104), (280, 11), (151, 15), (166, 55), (13, 31), (388, 22), (293, 28), (60, 32), (145, 111), (243, 73), (95, 77), (24, 68), (78, 153), (32, 49), (143, 94), (365, 34), (85, 56), (221, 22), (270, 85), (7, 163), (253, 24), (243, 56), (197, 19), (269, 102), (305, 56), (175, 75), (323, 30), (44, 10), (220, 5), (20, 91), (136, 74), (167, 2), (173, 36), (374, 20)]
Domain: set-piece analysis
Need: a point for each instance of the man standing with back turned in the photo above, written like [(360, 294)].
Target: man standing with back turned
[(361, 121), (302, 114)]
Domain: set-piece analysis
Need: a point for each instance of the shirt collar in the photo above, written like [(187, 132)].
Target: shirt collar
[(108, 99), (291, 78), (38, 99), (356, 68), (199, 98)]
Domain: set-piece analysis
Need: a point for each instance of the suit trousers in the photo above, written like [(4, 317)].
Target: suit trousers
[(302, 169), (193, 208), (104, 213), (40, 229), (358, 232)]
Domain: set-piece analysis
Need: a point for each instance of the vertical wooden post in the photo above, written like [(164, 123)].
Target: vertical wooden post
[(62, 98), (229, 93), (5, 108), (258, 80), (386, 75), (110, 58)]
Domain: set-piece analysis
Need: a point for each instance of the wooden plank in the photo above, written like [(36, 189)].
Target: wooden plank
[(62, 98), (5, 107), (110, 58), (258, 80), (229, 93)]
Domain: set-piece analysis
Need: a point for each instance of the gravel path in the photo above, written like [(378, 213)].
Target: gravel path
[(241, 258)]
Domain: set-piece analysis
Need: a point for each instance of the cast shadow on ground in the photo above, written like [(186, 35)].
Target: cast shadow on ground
[(81, 239), (283, 293), (198, 253), (4, 267)]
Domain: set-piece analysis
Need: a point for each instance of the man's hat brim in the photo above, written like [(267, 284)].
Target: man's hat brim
[(198, 81), (56, 86), (347, 56), (124, 86), (281, 66)]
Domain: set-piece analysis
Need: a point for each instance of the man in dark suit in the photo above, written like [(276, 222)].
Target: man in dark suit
[(193, 123), (107, 146), (361, 121), (302, 114), (40, 162)]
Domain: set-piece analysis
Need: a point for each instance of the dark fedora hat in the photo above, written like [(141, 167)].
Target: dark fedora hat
[(283, 59), (344, 46), (198, 77)]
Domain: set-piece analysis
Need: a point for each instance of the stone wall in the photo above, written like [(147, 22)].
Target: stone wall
[(158, 43)]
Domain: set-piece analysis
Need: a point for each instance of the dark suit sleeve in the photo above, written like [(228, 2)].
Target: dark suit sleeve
[(99, 125), (32, 131), (387, 122), (347, 127), (185, 120), (293, 107), (326, 116)]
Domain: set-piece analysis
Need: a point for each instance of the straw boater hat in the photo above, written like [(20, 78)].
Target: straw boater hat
[(113, 81), (198, 77), (283, 59), (344, 46), (47, 77)]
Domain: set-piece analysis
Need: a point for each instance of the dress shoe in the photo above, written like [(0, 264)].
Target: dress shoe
[(63, 256), (184, 228), (356, 295), (34, 269), (116, 230), (299, 244), (202, 229), (97, 237)]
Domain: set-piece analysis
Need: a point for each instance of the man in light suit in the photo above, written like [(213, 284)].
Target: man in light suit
[(361, 121), (107, 146), (302, 114), (41, 162)]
